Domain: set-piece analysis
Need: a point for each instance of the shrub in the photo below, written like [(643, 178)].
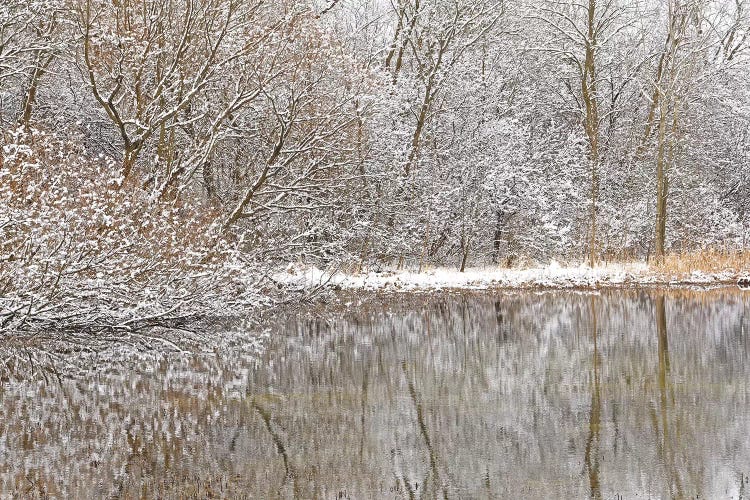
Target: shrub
[(77, 246)]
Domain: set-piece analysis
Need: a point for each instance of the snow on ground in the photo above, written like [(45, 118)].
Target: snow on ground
[(552, 276)]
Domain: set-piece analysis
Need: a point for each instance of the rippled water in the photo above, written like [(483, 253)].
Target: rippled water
[(528, 395)]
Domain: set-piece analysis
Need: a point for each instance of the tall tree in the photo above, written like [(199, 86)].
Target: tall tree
[(582, 33)]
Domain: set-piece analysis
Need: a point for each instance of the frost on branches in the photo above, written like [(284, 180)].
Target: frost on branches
[(78, 250)]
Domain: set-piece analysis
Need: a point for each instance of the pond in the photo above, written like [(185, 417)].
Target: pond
[(617, 394)]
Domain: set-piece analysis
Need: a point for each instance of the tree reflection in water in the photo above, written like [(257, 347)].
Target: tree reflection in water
[(592, 443), (525, 395)]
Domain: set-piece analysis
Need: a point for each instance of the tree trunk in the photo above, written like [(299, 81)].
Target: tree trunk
[(404, 43), (465, 244), (209, 181), (662, 187), (394, 44), (425, 244), (417, 136), (30, 96), (497, 237), (128, 162), (591, 124)]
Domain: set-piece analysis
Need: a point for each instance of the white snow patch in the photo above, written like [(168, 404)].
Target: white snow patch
[(554, 275)]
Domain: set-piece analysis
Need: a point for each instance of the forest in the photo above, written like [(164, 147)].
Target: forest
[(158, 157)]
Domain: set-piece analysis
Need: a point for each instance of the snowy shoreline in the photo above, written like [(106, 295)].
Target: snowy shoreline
[(299, 277)]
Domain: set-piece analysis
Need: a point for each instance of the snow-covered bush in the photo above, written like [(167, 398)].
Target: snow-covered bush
[(76, 245)]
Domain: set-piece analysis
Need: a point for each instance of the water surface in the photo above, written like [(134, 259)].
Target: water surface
[(492, 395)]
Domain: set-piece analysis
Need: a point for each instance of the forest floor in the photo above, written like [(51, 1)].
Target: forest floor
[(553, 276)]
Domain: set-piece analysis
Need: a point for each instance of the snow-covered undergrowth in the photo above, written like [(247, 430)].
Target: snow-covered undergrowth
[(78, 250), (551, 276), (81, 251)]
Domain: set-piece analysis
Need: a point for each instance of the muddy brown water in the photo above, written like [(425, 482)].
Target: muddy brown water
[(618, 394)]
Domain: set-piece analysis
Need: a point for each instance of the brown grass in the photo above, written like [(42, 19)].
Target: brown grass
[(707, 261)]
